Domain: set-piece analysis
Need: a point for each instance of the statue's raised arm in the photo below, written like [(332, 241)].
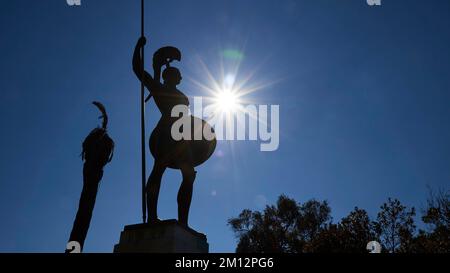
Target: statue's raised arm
[(153, 85)]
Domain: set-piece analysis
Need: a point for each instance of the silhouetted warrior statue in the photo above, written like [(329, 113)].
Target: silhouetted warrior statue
[(97, 151), (168, 153)]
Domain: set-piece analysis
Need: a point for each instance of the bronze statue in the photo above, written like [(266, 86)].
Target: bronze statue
[(97, 151), (184, 155)]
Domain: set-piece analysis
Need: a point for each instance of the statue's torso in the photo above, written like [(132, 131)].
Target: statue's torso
[(167, 98), (164, 147)]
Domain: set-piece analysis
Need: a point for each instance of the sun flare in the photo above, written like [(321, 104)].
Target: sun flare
[(229, 89), (227, 101)]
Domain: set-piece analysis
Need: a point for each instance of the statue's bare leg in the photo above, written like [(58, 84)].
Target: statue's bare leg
[(152, 191), (185, 192)]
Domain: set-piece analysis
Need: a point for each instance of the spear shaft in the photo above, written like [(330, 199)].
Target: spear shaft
[(144, 213)]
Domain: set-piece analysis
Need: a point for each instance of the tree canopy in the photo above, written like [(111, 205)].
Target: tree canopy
[(293, 227)]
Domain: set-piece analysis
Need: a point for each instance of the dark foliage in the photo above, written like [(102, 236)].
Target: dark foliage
[(291, 227)]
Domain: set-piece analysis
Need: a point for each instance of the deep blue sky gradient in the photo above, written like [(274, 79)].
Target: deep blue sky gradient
[(364, 95)]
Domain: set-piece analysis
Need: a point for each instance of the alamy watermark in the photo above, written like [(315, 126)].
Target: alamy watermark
[(373, 247), (73, 247), (250, 122), (373, 2), (73, 2), (78, 2)]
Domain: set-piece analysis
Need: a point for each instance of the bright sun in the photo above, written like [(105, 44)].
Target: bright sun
[(226, 94), (227, 101)]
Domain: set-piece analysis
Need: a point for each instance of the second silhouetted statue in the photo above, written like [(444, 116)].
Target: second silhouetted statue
[(98, 150)]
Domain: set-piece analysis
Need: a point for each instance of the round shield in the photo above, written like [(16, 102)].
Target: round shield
[(164, 148)]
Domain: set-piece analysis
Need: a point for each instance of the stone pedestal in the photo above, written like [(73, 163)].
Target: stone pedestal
[(163, 237)]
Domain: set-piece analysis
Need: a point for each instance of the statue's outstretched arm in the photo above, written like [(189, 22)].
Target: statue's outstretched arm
[(152, 85)]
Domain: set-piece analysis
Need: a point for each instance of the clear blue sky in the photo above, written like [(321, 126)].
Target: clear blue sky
[(364, 95)]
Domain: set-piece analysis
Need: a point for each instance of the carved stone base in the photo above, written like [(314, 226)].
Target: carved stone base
[(163, 237)]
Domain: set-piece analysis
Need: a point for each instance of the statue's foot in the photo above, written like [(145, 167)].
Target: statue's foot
[(183, 223), (154, 221)]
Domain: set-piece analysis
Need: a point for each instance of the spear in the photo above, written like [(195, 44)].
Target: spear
[(144, 213)]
